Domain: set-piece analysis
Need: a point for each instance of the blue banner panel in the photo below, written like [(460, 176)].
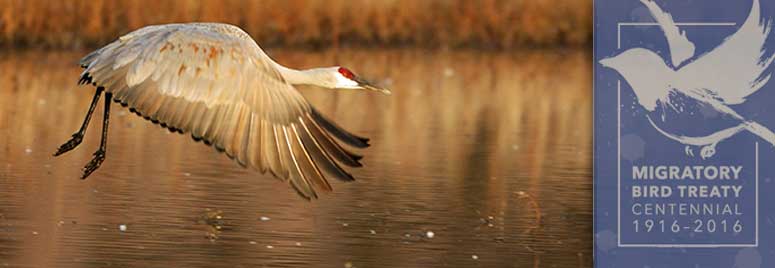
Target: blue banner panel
[(684, 133)]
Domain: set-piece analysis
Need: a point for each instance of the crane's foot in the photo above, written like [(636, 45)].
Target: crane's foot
[(708, 151), (95, 163), (70, 144)]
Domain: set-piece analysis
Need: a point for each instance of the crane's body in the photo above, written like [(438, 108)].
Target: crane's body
[(214, 82)]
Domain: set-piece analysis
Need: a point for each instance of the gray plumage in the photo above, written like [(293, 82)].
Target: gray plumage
[(213, 81)]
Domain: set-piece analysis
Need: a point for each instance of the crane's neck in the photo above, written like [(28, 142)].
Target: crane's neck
[(316, 77)]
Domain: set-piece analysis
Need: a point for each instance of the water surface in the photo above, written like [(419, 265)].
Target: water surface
[(488, 151)]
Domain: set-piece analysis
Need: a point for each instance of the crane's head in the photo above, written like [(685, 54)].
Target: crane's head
[(344, 78)]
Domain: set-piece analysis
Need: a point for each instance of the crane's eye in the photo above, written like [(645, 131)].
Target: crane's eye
[(346, 73)]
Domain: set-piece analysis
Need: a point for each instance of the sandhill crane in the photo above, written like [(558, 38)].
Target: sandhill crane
[(213, 81)]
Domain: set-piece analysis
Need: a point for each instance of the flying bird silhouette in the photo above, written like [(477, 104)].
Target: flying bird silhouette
[(724, 76), (213, 81)]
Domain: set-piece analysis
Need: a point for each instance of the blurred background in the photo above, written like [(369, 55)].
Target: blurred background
[(480, 158), (429, 23)]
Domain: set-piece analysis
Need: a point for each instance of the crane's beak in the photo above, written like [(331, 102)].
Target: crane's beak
[(363, 83)]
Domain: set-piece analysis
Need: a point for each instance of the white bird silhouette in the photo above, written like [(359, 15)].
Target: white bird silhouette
[(213, 81), (724, 76)]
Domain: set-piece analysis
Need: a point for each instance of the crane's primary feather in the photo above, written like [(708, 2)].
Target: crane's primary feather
[(213, 81)]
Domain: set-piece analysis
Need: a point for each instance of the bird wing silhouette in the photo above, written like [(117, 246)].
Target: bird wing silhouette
[(213, 81), (681, 48), (734, 69)]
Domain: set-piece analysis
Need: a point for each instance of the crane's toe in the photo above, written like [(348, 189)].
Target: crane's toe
[(95, 163), (70, 144)]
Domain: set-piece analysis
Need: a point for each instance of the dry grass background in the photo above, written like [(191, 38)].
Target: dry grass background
[(433, 23)]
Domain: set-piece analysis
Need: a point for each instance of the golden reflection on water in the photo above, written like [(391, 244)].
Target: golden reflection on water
[(489, 151)]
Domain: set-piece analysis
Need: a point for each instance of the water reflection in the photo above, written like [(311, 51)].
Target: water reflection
[(489, 151)]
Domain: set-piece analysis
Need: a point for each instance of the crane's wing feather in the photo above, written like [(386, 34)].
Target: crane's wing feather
[(736, 68), (213, 81), (681, 48)]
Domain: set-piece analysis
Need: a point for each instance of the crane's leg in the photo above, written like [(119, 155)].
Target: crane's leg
[(78, 136), (99, 155)]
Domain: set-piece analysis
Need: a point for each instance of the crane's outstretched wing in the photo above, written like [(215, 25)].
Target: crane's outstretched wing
[(734, 69), (681, 48), (213, 81)]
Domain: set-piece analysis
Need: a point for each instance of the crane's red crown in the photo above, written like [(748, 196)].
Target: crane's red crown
[(346, 73)]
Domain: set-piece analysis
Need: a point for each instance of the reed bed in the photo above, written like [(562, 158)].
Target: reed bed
[(431, 23)]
